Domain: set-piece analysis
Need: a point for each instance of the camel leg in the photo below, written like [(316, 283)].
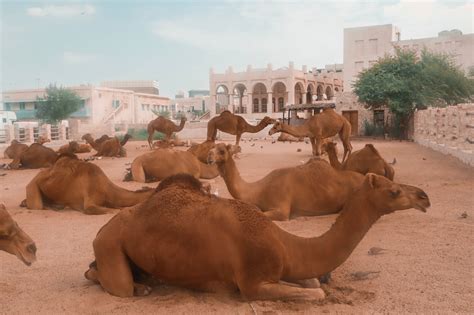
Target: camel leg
[(313, 145), (237, 139), (91, 208), (138, 173), (15, 164), (150, 131), (278, 214), (319, 142), (34, 199), (279, 291)]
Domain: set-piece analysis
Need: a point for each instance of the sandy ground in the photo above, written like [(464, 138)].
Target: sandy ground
[(427, 266)]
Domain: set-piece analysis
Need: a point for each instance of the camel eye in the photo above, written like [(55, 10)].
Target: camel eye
[(221, 152), (395, 193)]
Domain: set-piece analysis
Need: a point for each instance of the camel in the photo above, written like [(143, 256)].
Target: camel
[(14, 150), (366, 160), (163, 144), (35, 156), (314, 188), (13, 240), (320, 126), (161, 163), (74, 147), (81, 186), (287, 137), (186, 237), (108, 147), (234, 125), (163, 125), (201, 150)]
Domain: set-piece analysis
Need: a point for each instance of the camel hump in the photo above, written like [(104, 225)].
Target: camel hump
[(371, 147), (181, 180), (226, 112)]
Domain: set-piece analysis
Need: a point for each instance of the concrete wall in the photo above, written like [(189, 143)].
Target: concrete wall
[(449, 130)]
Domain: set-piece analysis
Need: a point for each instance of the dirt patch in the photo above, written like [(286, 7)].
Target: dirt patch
[(426, 265)]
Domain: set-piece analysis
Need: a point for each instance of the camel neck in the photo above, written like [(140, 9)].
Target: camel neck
[(235, 184), (208, 171), (254, 129), (312, 257), (333, 159), (181, 126), (296, 131), (118, 197), (92, 143)]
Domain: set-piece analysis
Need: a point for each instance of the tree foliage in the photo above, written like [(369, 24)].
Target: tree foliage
[(58, 104), (405, 82)]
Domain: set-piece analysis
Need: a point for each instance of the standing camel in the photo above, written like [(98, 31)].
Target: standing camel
[(163, 125), (184, 236), (234, 125), (320, 126)]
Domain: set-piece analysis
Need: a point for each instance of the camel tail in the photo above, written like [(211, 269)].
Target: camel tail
[(344, 134), (138, 173)]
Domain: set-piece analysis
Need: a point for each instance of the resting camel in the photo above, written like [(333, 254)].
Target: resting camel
[(13, 240), (201, 150), (74, 147), (81, 186), (366, 160), (163, 125), (234, 125), (161, 163), (35, 156), (95, 144), (320, 126), (186, 237), (14, 150), (107, 147), (314, 188)]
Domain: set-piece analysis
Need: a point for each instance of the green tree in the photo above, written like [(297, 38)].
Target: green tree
[(58, 104), (404, 83)]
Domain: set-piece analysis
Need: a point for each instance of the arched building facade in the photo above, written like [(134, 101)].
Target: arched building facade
[(256, 93)]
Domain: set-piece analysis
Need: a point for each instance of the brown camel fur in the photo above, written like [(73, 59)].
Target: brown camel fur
[(314, 188), (163, 144), (95, 144), (13, 240), (183, 236), (201, 150), (234, 125), (111, 147), (283, 137), (74, 147), (14, 150), (320, 126), (366, 160), (36, 156), (161, 163), (165, 126), (81, 186)]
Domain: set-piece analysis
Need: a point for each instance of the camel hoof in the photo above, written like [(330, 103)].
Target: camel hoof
[(141, 289)]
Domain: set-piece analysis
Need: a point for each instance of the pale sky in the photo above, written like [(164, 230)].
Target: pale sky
[(176, 42)]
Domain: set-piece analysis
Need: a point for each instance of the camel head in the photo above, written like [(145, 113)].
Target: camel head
[(42, 139), (14, 142), (73, 146), (221, 153), (277, 127), (330, 146), (388, 196), (268, 121), (13, 240), (87, 136)]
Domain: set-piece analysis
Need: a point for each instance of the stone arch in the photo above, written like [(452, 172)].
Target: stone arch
[(320, 92), (299, 93), (329, 93), (222, 98), (310, 91), (280, 96), (259, 95), (239, 103)]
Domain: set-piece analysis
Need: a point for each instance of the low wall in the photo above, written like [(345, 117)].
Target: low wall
[(449, 130)]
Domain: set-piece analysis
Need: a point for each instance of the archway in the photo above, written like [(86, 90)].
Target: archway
[(239, 103), (329, 93), (299, 92), (222, 98), (319, 93), (309, 93), (279, 96), (259, 94)]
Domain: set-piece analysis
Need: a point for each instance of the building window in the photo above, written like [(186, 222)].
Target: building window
[(359, 47), (143, 106), (115, 103), (281, 104), (255, 105), (359, 66), (379, 118), (264, 105), (8, 106), (372, 62), (373, 46), (22, 106)]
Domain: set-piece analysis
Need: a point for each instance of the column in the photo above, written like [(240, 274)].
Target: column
[(29, 134), (9, 133), (270, 103), (212, 108), (230, 105), (249, 103), (45, 131)]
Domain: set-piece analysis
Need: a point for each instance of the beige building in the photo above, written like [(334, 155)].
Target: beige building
[(363, 46), (100, 105), (256, 93)]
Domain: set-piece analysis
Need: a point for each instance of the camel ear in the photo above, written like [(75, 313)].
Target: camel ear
[(229, 147), (371, 180)]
